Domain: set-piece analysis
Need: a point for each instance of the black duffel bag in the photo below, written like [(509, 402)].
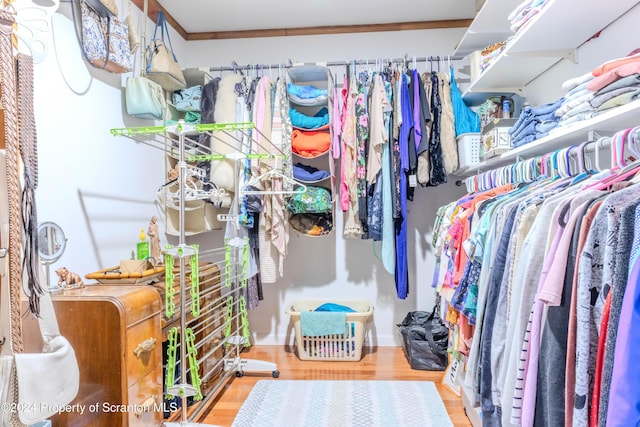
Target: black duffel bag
[(424, 340)]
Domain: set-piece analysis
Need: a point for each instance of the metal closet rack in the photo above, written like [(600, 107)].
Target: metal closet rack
[(176, 140), (283, 65)]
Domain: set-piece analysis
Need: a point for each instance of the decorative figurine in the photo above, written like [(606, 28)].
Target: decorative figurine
[(154, 241), (70, 280)]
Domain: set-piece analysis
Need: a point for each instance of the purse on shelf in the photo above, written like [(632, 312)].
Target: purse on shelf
[(162, 64), (314, 200), (105, 40), (144, 98)]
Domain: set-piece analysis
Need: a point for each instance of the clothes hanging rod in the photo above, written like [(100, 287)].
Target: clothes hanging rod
[(406, 59)]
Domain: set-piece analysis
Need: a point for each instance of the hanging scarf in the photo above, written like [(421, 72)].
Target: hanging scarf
[(29, 155)]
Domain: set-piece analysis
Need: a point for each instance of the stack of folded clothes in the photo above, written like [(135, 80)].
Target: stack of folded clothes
[(307, 95), (612, 84), (490, 53), (306, 173), (577, 101), (524, 12), (310, 143), (302, 121), (534, 123), (616, 82)]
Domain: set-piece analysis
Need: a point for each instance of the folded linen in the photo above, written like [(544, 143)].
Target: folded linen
[(601, 99), (576, 81), (308, 102), (303, 121), (310, 143), (619, 100), (321, 323), (304, 172), (629, 81), (306, 91), (633, 56), (613, 75)]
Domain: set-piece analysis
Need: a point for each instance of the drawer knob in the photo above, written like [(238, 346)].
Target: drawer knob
[(146, 406), (145, 347)]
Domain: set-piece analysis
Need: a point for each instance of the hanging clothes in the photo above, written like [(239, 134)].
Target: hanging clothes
[(362, 135), (349, 184), (401, 270), (549, 305), (447, 126), (437, 173)]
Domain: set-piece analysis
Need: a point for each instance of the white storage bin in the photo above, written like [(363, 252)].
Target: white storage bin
[(469, 149), (344, 347)]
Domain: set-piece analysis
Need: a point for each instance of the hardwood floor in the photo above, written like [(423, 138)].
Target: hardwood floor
[(382, 363)]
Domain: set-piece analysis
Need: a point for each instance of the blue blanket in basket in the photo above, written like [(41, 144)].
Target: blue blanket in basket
[(328, 319)]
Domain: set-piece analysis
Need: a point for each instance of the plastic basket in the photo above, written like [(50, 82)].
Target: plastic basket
[(468, 149), (344, 347)]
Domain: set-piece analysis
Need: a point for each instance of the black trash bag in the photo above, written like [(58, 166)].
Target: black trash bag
[(424, 340)]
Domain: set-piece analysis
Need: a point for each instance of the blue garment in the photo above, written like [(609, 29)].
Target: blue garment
[(331, 306), (402, 270), (303, 121), (491, 414), (388, 250), (306, 92), (525, 140), (546, 126), (539, 114), (308, 173), (547, 108), (321, 323), (528, 129)]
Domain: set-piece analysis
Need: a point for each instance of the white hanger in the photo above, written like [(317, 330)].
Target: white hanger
[(34, 21), (270, 174)]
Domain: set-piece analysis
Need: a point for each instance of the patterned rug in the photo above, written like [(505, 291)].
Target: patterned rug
[(295, 403)]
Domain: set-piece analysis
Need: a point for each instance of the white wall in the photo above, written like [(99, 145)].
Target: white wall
[(334, 267), (101, 189), (615, 41)]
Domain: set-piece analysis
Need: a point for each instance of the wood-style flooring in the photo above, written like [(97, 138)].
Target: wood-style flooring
[(381, 363)]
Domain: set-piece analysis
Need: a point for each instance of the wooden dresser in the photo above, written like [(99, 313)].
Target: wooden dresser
[(116, 333)]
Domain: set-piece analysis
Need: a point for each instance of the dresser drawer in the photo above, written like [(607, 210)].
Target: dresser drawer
[(146, 400), (144, 348)]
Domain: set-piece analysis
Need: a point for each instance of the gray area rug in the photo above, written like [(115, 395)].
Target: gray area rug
[(294, 403)]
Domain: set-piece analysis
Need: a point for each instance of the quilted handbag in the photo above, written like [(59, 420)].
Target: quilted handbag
[(98, 33), (144, 98), (314, 200), (162, 64)]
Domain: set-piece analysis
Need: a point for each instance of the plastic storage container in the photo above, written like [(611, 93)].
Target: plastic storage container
[(468, 149), (345, 347)]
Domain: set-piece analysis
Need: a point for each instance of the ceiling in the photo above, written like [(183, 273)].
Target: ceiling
[(224, 19)]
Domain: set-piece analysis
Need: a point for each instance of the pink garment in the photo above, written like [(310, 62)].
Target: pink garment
[(336, 122), (615, 74), (348, 132), (615, 63), (551, 293)]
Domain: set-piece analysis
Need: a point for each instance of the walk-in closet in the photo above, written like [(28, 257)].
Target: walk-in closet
[(320, 213)]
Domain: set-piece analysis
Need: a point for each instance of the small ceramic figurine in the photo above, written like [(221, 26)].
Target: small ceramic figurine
[(154, 241), (70, 280)]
